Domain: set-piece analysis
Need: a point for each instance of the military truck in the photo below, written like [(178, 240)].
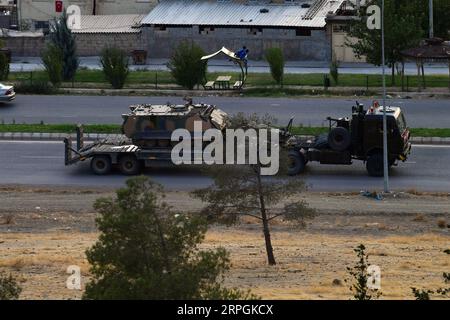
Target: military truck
[(357, 138), (146, 138)]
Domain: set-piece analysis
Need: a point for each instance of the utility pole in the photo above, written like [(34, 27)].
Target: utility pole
[(385, 142), (431, 18)]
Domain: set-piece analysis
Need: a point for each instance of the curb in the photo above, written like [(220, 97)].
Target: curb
[(96, 136)]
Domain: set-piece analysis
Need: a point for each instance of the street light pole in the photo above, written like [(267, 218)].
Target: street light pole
[(385, 142)]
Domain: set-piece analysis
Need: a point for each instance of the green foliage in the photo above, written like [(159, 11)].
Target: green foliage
[(62, 37), (360, 276), (9, 288), (421, 294), (115, 66), (186, 67), (4, 66), (146, 252), (35, 87), (275, 58), (334, 70), (241, 190), (402, 31), (52, 58)]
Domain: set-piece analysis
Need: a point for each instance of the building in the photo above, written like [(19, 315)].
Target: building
[(116, 31), (35, 14), (299, 28)]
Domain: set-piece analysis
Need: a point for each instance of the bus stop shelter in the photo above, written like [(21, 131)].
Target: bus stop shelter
[(433, 50)]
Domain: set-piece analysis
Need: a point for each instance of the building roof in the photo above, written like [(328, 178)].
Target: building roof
[(430, 49), (189, 12), (119, 23)]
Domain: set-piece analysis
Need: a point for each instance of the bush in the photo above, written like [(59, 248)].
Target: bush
[(334, 70), (115, 66), (4, 66), (186, 67), (146, 252), (62, 37), (9, 289), (35, 87), (52, 58), (274, 56)]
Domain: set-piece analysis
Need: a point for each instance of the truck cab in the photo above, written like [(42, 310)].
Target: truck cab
[(359, 137)]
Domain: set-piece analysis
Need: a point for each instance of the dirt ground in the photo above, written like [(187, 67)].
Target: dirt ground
[(44, 230)]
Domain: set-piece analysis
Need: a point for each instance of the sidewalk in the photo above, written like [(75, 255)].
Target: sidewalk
[(97, 136), (297, 67)]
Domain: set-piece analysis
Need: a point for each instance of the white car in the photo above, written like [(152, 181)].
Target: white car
[(7, 93)]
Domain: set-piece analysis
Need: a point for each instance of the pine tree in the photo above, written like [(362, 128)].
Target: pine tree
[(62, 37)]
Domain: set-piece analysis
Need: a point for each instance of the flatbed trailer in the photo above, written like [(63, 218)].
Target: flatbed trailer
[(105, 154)]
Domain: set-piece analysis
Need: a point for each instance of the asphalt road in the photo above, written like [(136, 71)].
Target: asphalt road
[(309, 111), (42, 163)]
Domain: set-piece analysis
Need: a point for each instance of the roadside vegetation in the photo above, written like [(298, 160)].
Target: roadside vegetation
[(115, 66), (116, 129), (9, 288), (155, 79), (145, 251)]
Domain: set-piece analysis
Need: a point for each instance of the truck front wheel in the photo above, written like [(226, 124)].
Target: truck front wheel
[(374, 165), (296, 163), (129, 165), (101, 165)]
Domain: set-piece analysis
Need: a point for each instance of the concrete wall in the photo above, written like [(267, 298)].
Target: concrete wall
[(91, 44), (161, 43), (24, 46)]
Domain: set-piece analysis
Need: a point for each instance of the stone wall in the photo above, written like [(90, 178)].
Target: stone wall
[(304, 44), (91, 44), (24, 46)]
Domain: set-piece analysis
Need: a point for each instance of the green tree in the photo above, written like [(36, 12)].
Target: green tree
[(241, 190), (275, 58), (62, 37), (115, 66), (52, 58), (441, 22), (360, 276), (403, 30), (334, 70), (146, 252), (9, 288), (185, 65), (4, 64)]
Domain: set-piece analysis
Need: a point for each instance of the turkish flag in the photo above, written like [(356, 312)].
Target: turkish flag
[(58, 6)]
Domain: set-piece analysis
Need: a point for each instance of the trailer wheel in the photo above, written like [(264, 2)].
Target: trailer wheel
[(296, 163), (101, 164), (339, 139), (129, 165), (374, 165)]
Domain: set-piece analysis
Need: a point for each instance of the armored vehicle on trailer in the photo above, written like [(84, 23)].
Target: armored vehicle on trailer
[(146, 138), (357, 138)]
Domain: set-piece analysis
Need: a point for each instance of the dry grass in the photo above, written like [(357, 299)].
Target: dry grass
[(310, 266), (419, 218), (7, 219)]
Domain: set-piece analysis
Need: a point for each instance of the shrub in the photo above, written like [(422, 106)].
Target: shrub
[(361, 276), (9, 289), (52, 58), (334, 70), (186, 67), (4, 66), (274, 56), (35, 87), (62, 37), (146, 252), (115, 66)]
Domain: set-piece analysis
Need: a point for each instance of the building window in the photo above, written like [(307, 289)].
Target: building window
[(303, 32), (205, 30), (255, 31), (341, 28)]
